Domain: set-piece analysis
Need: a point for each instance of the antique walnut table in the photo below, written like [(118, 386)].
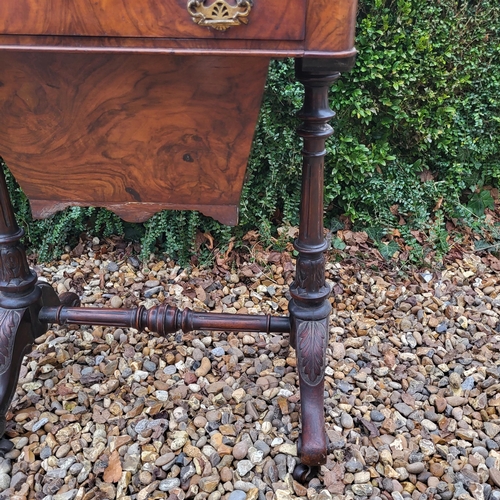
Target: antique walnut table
[(145, 105)]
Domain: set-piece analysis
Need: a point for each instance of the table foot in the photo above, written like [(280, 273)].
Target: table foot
[(311, 343), (304, 473)]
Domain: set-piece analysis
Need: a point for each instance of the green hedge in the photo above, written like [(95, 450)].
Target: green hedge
[(417, 137)]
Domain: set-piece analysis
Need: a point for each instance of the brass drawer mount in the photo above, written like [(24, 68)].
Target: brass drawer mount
[(220, 15)]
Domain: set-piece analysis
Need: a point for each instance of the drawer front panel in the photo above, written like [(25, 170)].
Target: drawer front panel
[(267, 20)]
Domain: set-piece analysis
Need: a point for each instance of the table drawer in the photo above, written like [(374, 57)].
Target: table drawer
[(267, 19)]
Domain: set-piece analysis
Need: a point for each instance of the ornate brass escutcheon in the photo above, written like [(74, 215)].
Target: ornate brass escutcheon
[(219, 15)]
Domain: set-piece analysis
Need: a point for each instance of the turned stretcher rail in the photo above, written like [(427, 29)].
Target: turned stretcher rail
[(164, 319)]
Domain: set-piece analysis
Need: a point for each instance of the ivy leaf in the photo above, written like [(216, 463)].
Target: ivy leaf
[(481, 245), (480, 202), (335, 225), (388, 249), (338, 244), (375, 233)]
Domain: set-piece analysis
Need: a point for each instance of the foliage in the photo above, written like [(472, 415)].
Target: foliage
[(417, 138)]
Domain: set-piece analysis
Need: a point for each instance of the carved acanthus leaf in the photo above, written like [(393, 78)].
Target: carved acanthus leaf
[(14, 269), (310, 274), (311, 350), (9, 323)]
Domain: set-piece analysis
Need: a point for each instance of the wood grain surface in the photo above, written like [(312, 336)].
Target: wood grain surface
[(108, 45), (330, 25), (268, 20), (135, 133)]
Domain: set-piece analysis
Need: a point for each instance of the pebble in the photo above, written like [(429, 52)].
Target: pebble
[(415, 468), (169, 484), (4, 481), (116, 301), (346, 421), (376, 416), (495, 476), (237, 495), (244, 467), (362, 489), (240, 450), (353, 466)]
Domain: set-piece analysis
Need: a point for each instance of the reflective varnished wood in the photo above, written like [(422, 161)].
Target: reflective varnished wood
[(126, 132), (270, 19), (297, 28)]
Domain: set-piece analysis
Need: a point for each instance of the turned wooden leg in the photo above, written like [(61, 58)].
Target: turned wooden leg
[(309, 307), (20, 301)]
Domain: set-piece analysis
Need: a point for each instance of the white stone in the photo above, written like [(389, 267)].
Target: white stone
[(161, 395)]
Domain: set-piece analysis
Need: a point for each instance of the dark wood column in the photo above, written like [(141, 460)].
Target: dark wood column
[(310, 308), (19, 298)]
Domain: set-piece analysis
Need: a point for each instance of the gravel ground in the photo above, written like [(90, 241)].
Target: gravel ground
[(412, 398)]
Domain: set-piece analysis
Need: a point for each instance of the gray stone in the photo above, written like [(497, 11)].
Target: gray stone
[(244, 486), (39, 424), (141, 426), (491, 429), (256, 456), (237, 495), (57, 473), (169, 484), (376, 416), (75, 469), (442, 327), (404, 409), (353, 466), (429, 425), (153, 291), (362, 489), (415, 468), (149, 366), (262, 446), (244, 467), (17, 480), (4, 481), (5, 466), (346, 421), (112, 267), (218, 351), (468, 384), (170, 370), (187, 472)]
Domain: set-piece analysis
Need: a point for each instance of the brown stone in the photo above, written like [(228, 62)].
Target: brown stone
[(209, 483), (440, 405), (226, 474), (456, 401), (436, 469), (113, 471), (216, 387), (334, 479)]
